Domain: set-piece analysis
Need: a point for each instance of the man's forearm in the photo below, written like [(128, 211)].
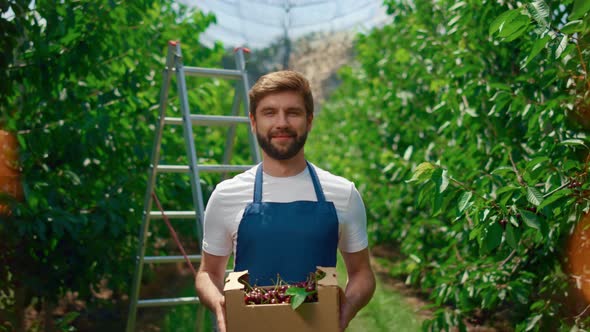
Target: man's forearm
[(359, 290), (209, 285), (209, 290)]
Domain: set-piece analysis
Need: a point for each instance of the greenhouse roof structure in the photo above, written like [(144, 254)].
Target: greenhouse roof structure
[(258, 23)]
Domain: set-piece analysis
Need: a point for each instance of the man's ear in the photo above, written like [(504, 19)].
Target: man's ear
[(252, 121), (309, 122)]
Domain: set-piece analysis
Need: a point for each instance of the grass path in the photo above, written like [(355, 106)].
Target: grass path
[(387, 311)]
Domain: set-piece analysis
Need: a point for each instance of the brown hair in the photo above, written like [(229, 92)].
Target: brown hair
[(280, 81)]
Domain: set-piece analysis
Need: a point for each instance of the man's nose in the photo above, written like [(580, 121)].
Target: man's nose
[(282, 120)]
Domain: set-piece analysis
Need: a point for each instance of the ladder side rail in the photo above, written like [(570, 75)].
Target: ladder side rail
[(195, 179), (231, 131), (241, 64), (139, 259)]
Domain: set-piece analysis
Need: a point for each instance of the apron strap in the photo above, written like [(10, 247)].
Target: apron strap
[(258, 185), (316, 183), (314, 179)]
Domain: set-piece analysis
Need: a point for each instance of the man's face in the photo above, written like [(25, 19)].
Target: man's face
[(281, 124)]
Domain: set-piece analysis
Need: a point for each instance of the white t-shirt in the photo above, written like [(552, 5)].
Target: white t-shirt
[(229, 199)]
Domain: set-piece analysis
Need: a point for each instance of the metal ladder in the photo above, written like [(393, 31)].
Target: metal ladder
[(174, 65)]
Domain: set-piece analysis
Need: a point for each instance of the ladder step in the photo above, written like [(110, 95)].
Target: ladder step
[(209, 120), (203, 168), (173, 214), (213, 72), (167, 302), (170, 259)]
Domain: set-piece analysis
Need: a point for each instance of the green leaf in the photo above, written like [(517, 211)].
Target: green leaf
[(561, 47), (506, 193), (514, 27), (493, 236), (539, 11), (532, 322), (506, 189), (501, 20), (73, 177), (536, 161), (572, 27), (512, 235), (515, 34), (67, 320), (581, 8), (554, 197), (530, 219), (464, 200), (408, 153), (474, 233), (538, 305), (502, 170), (573, 142), (437, 200), (422, 172), (458, 4), (71, 36), (537, 47), (439, 176), (534, 196), (298, 296)]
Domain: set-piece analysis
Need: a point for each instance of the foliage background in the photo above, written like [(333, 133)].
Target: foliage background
[(464, 124), (80, 87)]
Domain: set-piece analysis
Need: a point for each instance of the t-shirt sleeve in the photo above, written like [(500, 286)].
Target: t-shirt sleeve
[(353, 236), (217, 239)]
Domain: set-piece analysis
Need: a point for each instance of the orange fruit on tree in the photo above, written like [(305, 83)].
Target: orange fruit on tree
[(578, 251), (9, 169)]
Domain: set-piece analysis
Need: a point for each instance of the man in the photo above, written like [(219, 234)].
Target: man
[(284, 216)]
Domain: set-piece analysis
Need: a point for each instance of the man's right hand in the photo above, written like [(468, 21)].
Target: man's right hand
[(209, 284)]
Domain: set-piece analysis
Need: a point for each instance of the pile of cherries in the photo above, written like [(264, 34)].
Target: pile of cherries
[(279, 293)]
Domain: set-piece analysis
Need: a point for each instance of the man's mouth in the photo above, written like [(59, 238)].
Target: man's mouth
[(282, 136)]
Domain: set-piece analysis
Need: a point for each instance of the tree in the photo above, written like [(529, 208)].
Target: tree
[(80, 82), (456, 124)]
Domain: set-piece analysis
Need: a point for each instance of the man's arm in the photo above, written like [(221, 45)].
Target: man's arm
[(360, 285), (209, 284)]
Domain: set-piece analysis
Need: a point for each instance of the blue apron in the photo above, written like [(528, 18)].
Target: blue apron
[(288, 239)]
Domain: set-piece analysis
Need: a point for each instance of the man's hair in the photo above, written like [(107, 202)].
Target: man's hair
[(281, 81)]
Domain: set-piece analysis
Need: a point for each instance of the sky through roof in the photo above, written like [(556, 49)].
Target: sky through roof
[(258, 23)]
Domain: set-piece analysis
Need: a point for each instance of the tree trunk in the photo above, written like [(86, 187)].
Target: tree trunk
[(20, 304), (48, 308)]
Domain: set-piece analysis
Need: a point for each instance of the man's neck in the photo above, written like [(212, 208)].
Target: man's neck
[(283, 168)]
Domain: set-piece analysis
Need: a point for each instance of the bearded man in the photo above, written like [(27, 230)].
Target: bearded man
[(285, 216)]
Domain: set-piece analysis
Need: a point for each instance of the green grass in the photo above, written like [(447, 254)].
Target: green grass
[(184, 318), (387, 310)]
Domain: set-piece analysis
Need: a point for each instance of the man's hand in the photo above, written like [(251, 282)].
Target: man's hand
[(220, 315), (209, 285), (359, 287), (346, 314)]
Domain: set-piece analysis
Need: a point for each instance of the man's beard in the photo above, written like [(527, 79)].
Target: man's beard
[(280, 154)]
